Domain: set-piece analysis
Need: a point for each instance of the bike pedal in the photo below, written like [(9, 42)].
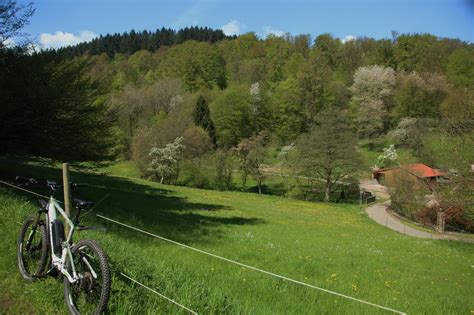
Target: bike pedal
[(53, 272)]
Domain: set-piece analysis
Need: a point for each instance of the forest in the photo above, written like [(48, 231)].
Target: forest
[(197, 108)]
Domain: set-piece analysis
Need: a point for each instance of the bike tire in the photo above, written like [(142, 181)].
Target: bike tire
[(31, 270), (72, 292)]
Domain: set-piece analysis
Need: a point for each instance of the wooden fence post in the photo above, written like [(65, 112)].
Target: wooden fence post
[(67, 193)]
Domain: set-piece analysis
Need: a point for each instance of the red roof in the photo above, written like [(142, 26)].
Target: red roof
[(418, 169), (422, 170)]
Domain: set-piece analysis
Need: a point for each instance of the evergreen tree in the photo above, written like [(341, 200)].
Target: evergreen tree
[(202, 118), (61, 116), (133, 41)]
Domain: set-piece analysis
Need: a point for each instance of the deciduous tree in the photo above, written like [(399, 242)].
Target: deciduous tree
[(410, 132), (224, 168), (371, 100), (461, 67), (251, 153), (230, 113), (165, 160), (328, 152), (419, 96)]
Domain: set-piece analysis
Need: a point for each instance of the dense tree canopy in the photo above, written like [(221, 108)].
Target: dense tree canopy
[(51, 110), (133, 41), (328, 151), (122, 95), (13, 18)]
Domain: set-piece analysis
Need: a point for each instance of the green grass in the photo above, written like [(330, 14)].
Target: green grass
[(333, 246), (122, 168)]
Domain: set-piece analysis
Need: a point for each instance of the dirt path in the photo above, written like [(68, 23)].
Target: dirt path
[(378, 212)]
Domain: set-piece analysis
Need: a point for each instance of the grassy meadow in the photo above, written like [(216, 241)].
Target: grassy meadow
[(333, 246)]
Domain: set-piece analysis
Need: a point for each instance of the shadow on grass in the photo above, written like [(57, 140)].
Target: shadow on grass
[(154, 209)]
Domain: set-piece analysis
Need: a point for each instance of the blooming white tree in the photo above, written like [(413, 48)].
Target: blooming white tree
[(370, 117), (410, 132), (165, 160), (388, 157), (255, 97), (255, 90), (258, 105), (285, 152), (375, 82), (372, 90)]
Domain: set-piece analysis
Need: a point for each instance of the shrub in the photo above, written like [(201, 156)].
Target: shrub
[(427, 216), (223, 161), (297, 192), (407, 195), (455, 217), (193, 175), (389, 157)]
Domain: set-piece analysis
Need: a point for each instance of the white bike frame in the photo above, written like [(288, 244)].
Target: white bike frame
[(60, 262)]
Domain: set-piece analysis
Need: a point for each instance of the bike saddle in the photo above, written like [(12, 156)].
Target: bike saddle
[(43, 204), (82, 203)]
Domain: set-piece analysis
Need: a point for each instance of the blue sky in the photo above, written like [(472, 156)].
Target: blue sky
[(62, 22)]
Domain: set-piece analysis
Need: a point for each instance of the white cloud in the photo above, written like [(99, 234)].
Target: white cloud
[(61, 39), (268, 30), (234, 27), (348, 38)]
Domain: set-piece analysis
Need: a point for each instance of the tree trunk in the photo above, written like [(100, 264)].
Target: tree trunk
[(259, 187), (327, 193), (244, 180), (130, 126)]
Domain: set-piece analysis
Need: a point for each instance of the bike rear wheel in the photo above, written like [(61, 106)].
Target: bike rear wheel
[(90, 295), (32, 249)]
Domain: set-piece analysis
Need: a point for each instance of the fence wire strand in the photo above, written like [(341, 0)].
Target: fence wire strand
[(158, 293), (218, 257), (23, 189), (254, 268)]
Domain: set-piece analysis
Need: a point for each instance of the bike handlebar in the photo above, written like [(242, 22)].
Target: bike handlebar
[(50, 184), (27, 180)]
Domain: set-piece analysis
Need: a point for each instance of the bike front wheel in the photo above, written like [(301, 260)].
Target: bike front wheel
[(90, 294), (32, 249)]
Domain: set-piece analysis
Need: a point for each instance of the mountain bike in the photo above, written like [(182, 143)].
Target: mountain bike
[(83, 265)]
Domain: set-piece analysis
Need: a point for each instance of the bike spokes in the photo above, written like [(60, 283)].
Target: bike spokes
[(32, 250), (90, 293)]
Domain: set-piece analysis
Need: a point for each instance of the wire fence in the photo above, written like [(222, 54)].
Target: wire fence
[(158, 293), (24, 190), (251, 267), (221, 258), (121, 273), (380, 214)]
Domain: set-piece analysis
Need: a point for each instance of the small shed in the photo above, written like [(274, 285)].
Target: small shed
[(419, 172)]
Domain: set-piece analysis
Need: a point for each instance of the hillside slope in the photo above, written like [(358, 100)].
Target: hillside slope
[(329, 245)]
